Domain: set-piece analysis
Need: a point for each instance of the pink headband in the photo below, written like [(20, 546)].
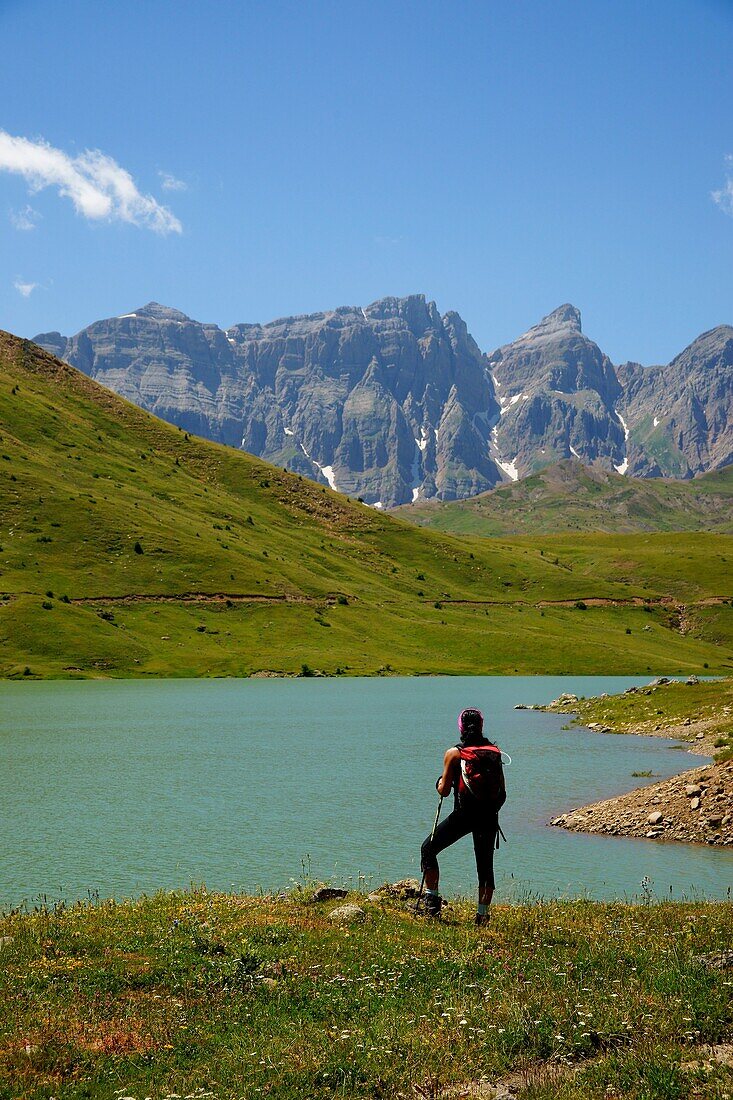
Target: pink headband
[(460, 716)]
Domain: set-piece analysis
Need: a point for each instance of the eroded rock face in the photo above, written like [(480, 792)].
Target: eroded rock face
[(558, 394), (394, 401), (385, 403), (681, 415)]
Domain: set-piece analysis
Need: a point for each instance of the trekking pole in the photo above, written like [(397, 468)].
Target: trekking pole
[(432, 836)]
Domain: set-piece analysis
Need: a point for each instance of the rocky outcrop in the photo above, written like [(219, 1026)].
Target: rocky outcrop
[(395, 402), (681, 416), (558, 394), (696, 807), (386, 403)]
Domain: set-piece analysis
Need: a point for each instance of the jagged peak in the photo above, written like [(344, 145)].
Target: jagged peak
[(413, 308), (718, 336), (154, 311), (564, 317)]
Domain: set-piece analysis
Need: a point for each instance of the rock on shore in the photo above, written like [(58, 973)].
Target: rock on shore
[(695, 807)]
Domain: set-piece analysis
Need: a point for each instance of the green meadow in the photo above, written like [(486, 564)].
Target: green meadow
[(128, 548), (224, 996)]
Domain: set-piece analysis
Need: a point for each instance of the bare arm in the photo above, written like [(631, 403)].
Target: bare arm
[(450, 764)]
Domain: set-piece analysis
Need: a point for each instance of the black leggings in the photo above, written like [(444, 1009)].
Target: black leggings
[(459, 824)]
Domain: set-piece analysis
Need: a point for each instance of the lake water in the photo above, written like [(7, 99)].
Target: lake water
[(125, 787)]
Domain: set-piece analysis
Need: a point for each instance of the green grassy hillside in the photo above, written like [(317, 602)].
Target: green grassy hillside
[(128, 548), (573, 497)]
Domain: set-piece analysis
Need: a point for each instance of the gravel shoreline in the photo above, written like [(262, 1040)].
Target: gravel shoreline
[(695, 807)]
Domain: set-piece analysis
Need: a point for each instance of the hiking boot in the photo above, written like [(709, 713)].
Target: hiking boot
[(433, 904), (481, 919)]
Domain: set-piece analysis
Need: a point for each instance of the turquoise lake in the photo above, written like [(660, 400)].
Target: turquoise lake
[(125, 787)]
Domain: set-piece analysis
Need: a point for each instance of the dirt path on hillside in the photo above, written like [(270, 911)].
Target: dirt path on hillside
[(602, 601), (681, 609), (197, 598)]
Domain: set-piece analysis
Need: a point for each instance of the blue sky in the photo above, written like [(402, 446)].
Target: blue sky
[(502, 157)]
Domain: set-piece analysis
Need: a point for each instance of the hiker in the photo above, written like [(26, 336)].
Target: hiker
[(474, 772)]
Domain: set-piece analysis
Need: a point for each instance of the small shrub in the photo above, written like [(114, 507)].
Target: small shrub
[(306, 670), (628, 629), (50, 594), (421, 576), (438, 605), (581, 605), (47, 605), (138, 548), (342, 600), (26, 670)]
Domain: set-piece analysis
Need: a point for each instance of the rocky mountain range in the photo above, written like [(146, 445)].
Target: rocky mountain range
[(395, 402)]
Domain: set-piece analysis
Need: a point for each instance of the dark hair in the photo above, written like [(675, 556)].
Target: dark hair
[(471, 725)]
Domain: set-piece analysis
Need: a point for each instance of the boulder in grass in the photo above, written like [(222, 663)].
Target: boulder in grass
[(347, 914), (329, 893), (405, 889)]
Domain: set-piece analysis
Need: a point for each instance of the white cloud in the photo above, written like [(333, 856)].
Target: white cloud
[(170, 183), (99, 188), (25, 219), (724, 197), (26, 289)]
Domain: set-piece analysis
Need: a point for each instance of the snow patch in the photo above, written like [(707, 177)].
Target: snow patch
[(378, 505), (364, 315), (327, 472), (422, 442), (121, 315), (573, 451), (415, 473), (288, 431), (495, 380), (506, 403), (623, 466), (656, 421), (509, 468)]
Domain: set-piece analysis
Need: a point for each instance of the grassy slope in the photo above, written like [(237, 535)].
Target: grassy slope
[(572, 497), (666, 708), (84, 476), (238, 996)]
